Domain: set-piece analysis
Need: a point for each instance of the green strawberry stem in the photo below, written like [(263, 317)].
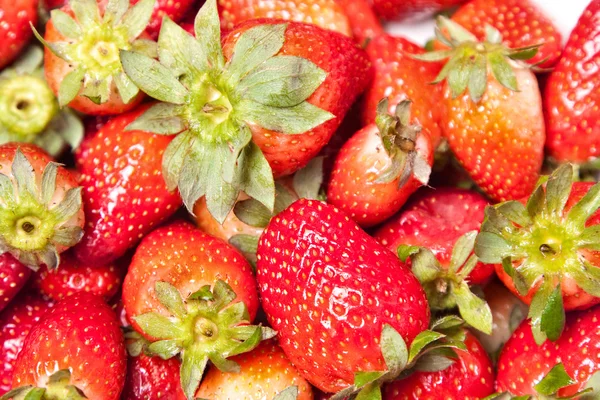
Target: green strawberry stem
[(31, 227), (29, 112), (93, 44), (208, 325), (57, 388), (399, 139), (539, 245), (211, 105), (448, 288), (469, 60)]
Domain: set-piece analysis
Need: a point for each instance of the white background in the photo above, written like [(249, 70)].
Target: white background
[(564, 13)]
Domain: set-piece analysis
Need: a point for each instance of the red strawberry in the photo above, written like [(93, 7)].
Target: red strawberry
[(331, 291), (545, 248), (151, 378), (400, 9), (82, 64), (124, 190), (469, 377), (13, 276), (178, 262), (520, 22), (76, 349), (363, 21), (574, 358), (15, 322), (381, 166), (496, 130), (15, 20), (398, 77), (42, 214), (264, 373), (74, 277), (435, 219), (174, 9), (571, 97), (234, 129), (327, 14)]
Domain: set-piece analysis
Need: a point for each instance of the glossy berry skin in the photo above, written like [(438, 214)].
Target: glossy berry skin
[(574, 297), (470, 377), (265, 372), (74, 277), (327, 14), (400, 9), (500, 140), (174, 9), (523, 363), (187, 258), (348, 73), (81, 333), (152, 378), (400, 77), (328, 288), (572, 99), (520, 22), (125, 194), (13, 276), (363, 21), (15, 31), (353, 185), (15, 323), (435, 219)]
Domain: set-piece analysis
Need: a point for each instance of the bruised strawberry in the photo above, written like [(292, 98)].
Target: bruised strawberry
[(13, 276), (400, 9), (15, 32), (235, 130)]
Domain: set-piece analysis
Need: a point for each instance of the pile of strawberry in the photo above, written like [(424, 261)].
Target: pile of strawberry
[(250, 199)]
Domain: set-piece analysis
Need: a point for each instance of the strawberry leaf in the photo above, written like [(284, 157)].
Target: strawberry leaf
[(208, 28), (165, 349), (558, 189), (371, 391), (502, 71), (86, 11), (170, 297), (253, 213), (394, 350), (137, 17), (127, 89), (192, 368), (291, 120), (290, 393), (70, 86), (462, 249), (307, 181), (115, 9), (422, 340), (179, 51), (555, 380), (161, 118), (474, 310), (405, 251), (65, 25)]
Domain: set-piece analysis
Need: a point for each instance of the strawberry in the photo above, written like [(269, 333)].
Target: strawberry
[(174, 9), (381, 166), (73, 277), (545, 248), (265, 372), (520, 22), (124, 191), (178, 262), (30, 112), (496, 130), (400, 9), (15, 322), (235, 129), (13, 276), (82, 63), (75, 351), (398, 77), (560, 368), (364, 23), (15, 19), (332, 292), (152, 378), (571, 101), (469, 377), (41, 211), (327, 14)]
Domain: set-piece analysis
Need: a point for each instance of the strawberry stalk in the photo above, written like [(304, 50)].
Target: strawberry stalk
[(93, 47), (448, 288), (31, 223), (540, 245), (58, 387), (29, 112), (205, 327), (210, 104)]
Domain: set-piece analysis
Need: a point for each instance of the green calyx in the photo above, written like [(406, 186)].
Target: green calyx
[(430, 351), (31, 225), (57, 388), (540, 244), (93, 44), (211, 105), (208, 325), (448, 288), (29, 112), (469, 60), (399, 139)]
